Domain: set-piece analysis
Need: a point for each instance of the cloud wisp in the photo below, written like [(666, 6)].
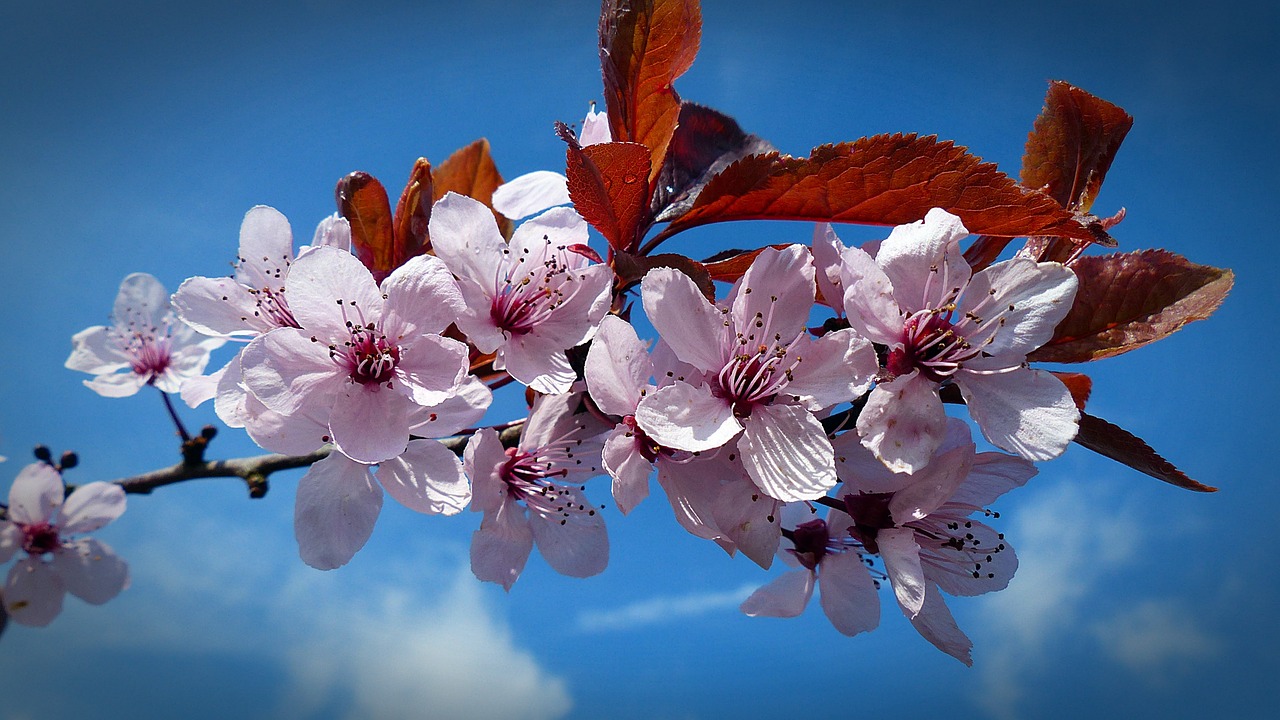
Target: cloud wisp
[(661, 609)]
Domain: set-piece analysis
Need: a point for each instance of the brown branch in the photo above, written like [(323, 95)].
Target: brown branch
[(254, 470)]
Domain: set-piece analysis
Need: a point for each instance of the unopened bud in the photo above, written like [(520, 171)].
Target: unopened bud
[(208, 432), (68, 461), (43, 454)]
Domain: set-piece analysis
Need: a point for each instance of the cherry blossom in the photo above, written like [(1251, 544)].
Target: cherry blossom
[(145, 345), (943, 326), (43, 526), (529, 300), (339, 499), (764, 377), (827, 557), (529, 494), (539, 190), (364, 357), (921, 526)]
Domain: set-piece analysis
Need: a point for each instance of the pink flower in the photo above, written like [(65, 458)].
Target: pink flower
[(41, 525), (528, 497), (827, 557), (339, 501), (943, 326), (144, 346), (920, 525), (529, 300), (365, 357), (764, 377)]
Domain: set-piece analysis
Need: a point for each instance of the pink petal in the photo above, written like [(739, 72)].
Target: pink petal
[(786, 452), (629, 469), (693, 327), (617, 367), (337, 505), (422, 297), (685, 417), (90, 507), (501, 547), (35, 494), (785, 596), (553, 229), (693, 489), (482, 460), (95, 351), (333, 231), (288, 372), (923, 261), (475, 320), (595, 128), (777, 290), (117, 385), (202, 388), (296, 434), (932, 486), (531, 193), (1040, 295), (869, 302), (1025, 411), (935, 624), (33, 593), (836, 368), (465, 235), (432, 369), (10, 540), (577, 545), (539, 363), (426, 478), (847, 594), (903, 422), (220, 307), (993, 475), (749, 519), (266, 248), (860, 470), (901, 557), (826, 249), (321, 278), (141, 304), (91, 570), (370, 424), (575, 320), (986, 554), (461, 410)]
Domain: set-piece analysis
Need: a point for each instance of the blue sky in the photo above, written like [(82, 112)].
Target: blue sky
[(135, 136)]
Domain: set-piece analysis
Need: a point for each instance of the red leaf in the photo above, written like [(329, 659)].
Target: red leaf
[(1072, 145), (363, 202), (630, 269), (413, 215), (880, 180), (609, 186), (705, 142), (1124, 447), (644, 46), (1127, 300), (471, 171), (1079, 385)]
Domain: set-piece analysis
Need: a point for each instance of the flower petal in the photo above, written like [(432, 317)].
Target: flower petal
[(1025, 411), (458, 411), (10, 540), (33, 593), (986, 564), (932, 486), (901, 557), (869, 302), (296, 434), (617, 367), (693, 489), (629, 469), (197, 390), (785, 596), (847, 593), (748, 519), (860, 470), (903, 422), (685, 417), (95, 351), (786, 452), (923, 261), (501, 547), (327, 288), (141, 305), (774, 296), (35, 494), (836, 368), (422, 297), (539, 363), (337, 505), (482, 460), (288, 371), (993, 475), (1031, 299), (465, 235), (935, 624), (370, 424), (576, 545), (220, 307), (432, 369), (690, 325), (90, 507), (266, 249), (826, 249), (117, 385), (91, 570), (427, 478), (531, 193)]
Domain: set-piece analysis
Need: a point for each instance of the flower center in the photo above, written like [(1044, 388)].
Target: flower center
[(271, 305), (40, 538), (932, 344), (529, 477), (756, 373), (368, 356), (529, 292), (148, 355)]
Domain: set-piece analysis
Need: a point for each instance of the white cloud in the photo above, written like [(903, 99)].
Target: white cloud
[(1155, 638), (661, 609)]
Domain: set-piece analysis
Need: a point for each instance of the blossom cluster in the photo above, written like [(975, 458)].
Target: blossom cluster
[(817, 380)]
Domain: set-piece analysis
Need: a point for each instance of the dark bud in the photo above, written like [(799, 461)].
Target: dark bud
[(208, 432), (68, 460), (43, 454)]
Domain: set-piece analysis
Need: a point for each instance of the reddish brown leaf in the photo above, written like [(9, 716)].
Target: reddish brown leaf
[(363, 202), (413, 213), (471, 171), (1072, 145), (1124, 447), (705, 142), (1127, 300), (880, 180), (1079, 385), (609, 186), (630, 269), (644, 46)]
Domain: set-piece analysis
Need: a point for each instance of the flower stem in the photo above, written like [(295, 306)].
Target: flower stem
[(177, 422)]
